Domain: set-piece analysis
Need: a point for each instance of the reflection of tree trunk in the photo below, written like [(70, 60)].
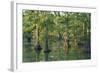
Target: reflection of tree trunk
[(37, 57)]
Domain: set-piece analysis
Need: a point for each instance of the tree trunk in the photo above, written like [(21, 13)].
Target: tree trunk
[(65, 43), (59, 44), (46, 51)]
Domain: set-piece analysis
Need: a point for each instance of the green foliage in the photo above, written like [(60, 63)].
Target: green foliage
[(76, 25)]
